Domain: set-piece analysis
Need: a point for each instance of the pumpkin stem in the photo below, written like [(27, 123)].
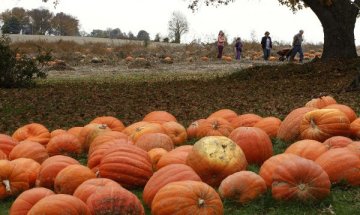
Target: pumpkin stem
[(215, 125), (313, 124), (201, 202), (97, 174), (302, 187), (7, 185), (103, 126)]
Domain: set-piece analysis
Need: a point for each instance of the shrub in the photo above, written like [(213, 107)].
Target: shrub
[(19, 71)]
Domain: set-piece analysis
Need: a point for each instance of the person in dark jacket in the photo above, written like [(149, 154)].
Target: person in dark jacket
[(266, 45), (297, 41), (238, 48)]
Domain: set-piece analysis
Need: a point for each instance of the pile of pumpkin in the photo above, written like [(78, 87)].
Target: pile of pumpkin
[(40, 167)]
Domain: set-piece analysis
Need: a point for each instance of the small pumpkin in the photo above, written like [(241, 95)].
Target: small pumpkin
[(176, 132), (243, 187)]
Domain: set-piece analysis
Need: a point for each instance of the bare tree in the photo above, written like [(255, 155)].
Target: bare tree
[(178, 25)]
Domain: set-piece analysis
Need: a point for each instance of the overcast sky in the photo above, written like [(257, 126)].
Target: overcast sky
[(245, 18)]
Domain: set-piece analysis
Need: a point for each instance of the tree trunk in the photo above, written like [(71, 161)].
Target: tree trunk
[(338, 21)]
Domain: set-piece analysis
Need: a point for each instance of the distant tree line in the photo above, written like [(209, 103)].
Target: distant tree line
[(42, 21)]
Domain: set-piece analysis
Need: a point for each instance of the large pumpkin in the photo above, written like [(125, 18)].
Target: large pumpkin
[(245, 120), (33, 132), (255, 143), (354, 147), (69, 178), (51, 167), (108, 136), (270, 125), (7, 143), (289, 129), (59, 204), (89, 133), (300, 179), (337, 142), (114, 200), (192, 130), (214, 158), (320, 102), (112, 122), (166, 175), (129, 130), (348, 111), (341, 164), (31, 167), (91, 186), (214, 127), (57, 132), (191, 197), (26, 200), (3, 156), (29, 149), (176, 156), (146, 129), (64, 144), (309, 149), (176, 132), (243, 187), (13, 180), (159, 117), (355, 128), (75, 131), (227, 114), (129, 165), (267, 169), (322, 124), (155, 140)]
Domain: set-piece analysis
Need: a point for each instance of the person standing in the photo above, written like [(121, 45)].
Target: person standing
[(297, 41), (220, 44), (266, 45), (238, 48)]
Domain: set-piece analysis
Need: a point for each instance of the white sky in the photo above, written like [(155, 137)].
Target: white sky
[(241, 18)]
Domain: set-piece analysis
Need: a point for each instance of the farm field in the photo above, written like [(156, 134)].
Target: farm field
[(77, 93)]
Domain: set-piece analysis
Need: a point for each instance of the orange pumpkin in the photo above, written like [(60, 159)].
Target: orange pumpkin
[(268, 167), (146, 129), (309, 149), (3, 156), (129, 130), (155, 140), (89, 133), (300, 179), (33, 132), (243, 187), (214, 127), (337, 142), (155, 155), (354, 147), (69, 178), (214, 158), (106, 137), (64, 144), (341, 164), (114, 200), (51, 167), (354, 128), (227, 114), (322, 124), (126, 164), (29, 149), (31, 167), (176, 132), (270, 125), (59, 204), (26, 200), (91, 186), (159, 117), (57, 132), (321, 102), (192, 197), (13, 180), (7, 143), (166, 175), (112, 122), (348, 111), (245, 120), (75, 131), (176, 156), (255, 143), (192, 130), (289, 129)]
